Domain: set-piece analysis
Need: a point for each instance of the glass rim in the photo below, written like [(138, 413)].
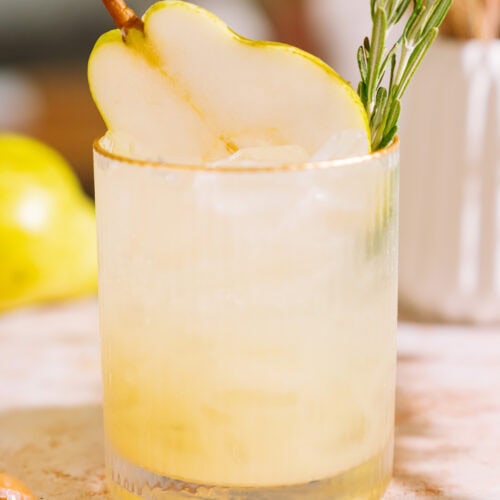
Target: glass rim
[(290, 167)]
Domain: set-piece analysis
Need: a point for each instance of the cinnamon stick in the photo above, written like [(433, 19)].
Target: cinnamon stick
[(123, 16)]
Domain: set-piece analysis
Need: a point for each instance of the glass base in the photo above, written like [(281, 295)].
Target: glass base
[(364, 482)]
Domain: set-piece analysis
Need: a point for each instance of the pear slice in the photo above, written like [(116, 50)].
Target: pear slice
[(186, 88)]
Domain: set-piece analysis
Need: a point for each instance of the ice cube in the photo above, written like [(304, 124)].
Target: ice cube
[(264, 156), (341, 145)]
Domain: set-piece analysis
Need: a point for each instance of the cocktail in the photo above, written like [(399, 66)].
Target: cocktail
[(248, 269), (248, 322)]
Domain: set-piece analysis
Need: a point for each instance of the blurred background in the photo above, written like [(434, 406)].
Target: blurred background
[(44, 48)]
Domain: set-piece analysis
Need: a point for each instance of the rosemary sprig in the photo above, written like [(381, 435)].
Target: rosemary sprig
[(383, 103)]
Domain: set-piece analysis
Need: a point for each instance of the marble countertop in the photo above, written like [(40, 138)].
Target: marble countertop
[(448, 411)]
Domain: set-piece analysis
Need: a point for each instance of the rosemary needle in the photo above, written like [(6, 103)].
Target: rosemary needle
[(400, 62)]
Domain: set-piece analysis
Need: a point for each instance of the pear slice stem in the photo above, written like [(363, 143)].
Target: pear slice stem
[(123, 16)]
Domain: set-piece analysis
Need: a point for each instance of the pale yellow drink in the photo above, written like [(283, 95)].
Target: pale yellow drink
[(248, 322)]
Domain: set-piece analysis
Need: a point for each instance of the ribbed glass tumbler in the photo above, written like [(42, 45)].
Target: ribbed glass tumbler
[(248, 320)]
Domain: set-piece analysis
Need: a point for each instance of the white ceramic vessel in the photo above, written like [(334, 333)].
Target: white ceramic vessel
[(450, 193)]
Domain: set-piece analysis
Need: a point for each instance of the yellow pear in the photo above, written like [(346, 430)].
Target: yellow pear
[(183, 87), (47, 227)]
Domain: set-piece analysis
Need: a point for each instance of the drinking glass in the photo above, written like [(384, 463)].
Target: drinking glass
[(248, 321)]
